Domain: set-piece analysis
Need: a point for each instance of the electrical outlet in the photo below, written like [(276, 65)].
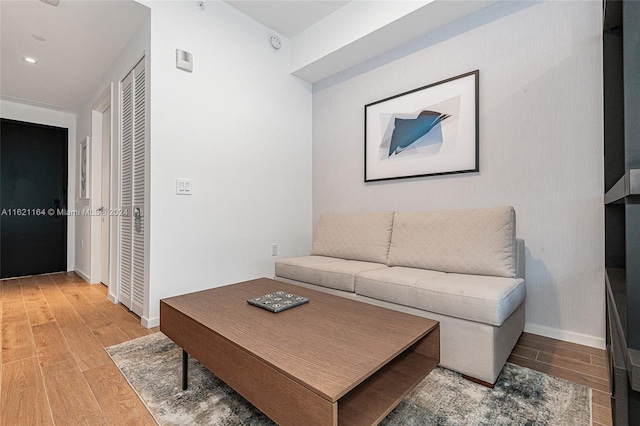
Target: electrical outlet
[(274, 249), (82, 243)]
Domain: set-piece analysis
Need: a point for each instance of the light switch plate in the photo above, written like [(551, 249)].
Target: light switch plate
[(184, 187)]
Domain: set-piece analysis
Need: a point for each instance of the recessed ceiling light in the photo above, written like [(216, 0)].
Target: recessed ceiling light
[(30, 59), (38, 37)]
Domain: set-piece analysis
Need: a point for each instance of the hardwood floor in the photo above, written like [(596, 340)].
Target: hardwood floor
[(54, 370), (568, 361), (53, 367)]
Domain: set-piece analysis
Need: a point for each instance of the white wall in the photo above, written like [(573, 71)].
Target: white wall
[(541, 145), (239, 126), (50, 117), (88, 228)]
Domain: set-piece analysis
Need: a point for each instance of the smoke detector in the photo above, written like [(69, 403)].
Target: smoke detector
[(275, 42), (51, 2)]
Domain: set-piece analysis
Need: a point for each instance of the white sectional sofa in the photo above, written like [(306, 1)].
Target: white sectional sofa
[(464, 268)]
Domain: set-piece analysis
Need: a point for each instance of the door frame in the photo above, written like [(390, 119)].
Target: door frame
[(105, 201), (105, 102)]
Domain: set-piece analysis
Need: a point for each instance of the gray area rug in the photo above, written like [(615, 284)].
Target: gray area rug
[(152, 364)]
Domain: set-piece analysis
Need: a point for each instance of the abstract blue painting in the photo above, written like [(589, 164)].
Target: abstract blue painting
[(431, 130), (407, 132)]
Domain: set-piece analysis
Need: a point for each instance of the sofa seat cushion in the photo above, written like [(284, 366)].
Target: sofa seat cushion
[(488, 300), (324, 271)]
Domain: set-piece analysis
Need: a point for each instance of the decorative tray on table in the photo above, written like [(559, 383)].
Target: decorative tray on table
[(278, 301)]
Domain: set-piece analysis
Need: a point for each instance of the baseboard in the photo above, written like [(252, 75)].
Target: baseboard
[(112, 298), (83, 275), (150, 323), (567, 336)]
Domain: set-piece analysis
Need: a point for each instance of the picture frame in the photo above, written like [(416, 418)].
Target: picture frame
[(83, 181), (428, 131)]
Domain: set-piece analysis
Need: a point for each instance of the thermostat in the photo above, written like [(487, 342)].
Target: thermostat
[(184, 60)]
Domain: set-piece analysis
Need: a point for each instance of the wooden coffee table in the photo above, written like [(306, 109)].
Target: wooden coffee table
[(331, 361)]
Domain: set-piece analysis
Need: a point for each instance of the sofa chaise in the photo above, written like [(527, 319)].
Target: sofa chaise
[(464, 268)]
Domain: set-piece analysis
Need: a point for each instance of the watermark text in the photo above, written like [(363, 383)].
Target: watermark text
[(63, 212)]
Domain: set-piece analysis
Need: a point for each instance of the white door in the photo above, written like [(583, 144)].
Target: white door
[(106, 196), (132, 191)]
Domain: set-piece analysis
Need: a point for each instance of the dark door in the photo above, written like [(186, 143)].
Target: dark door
[(33, 191)]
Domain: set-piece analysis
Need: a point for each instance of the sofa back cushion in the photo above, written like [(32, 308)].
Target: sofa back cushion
[(364, 237), (480, 241)]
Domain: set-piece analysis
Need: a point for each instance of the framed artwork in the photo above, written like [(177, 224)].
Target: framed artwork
[(432, 130), (84, 171)]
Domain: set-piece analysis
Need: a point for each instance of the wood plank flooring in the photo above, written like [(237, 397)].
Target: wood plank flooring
[(575, 363), (54, 370)]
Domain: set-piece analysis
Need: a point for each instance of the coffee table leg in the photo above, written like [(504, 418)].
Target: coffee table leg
[(185, 370)]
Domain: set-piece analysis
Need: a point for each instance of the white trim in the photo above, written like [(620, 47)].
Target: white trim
[(82, 275), (114, 260), (112, 298), (150, 323), (567, 336)]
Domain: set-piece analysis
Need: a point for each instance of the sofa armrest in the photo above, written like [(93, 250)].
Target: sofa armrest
[(520, 265)]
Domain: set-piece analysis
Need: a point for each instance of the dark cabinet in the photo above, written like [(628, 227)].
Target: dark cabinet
[(621, 73)]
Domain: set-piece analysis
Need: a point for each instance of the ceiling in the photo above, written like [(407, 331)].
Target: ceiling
[(288, 18), (83, 38)]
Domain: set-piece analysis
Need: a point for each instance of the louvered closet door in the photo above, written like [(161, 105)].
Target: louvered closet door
[(126, 180), (139, 140), (132, 191)]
